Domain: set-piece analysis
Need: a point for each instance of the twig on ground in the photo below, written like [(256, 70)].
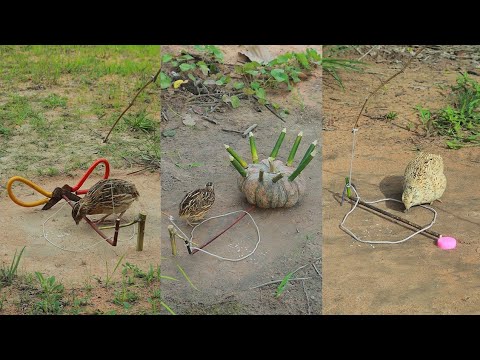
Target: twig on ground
[(368, 52), (250, 128), (231, 130), (318, 272)]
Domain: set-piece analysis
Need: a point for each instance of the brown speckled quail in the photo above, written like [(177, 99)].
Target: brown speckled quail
[(424, 180), (109, 196), (196, 203)]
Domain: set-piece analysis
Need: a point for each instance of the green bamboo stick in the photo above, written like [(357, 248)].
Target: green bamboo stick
[(237, 166), (294, 148), (278, 143), (349, 191), (312, 147), (253, 148), (302, 166), (236, 156)]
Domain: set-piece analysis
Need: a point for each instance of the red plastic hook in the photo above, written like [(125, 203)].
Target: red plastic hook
[(87, 174)]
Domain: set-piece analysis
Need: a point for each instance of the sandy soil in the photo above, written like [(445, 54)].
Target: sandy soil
[(290, 238), (24, 227), (414, 277)]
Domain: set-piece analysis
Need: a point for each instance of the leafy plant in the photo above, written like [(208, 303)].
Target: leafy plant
[(51, 294), (333, 66), (282, 72), (460, 121), (7, 274), (392, 115), (125, 297)]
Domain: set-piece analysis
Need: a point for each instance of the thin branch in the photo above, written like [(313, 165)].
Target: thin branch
[(152, 80), (383, 83)]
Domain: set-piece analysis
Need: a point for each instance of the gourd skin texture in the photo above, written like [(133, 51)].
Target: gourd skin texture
[(267, 194)]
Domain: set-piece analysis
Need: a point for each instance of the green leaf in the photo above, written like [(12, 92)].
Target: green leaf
[(186, 57), (221, 81), (174, 63), (169, 133), (281, 287), (165, 81), (279, 75), (254, 85), (275, 106), (186, 67), (294, 75), (302, 59), (314, 55), (235, 101), (238, 85), (260, 92), (252, 72), (191, 77), (126, 305), (282, 59), (166, 58), (253, 65), (248, 91), (203, 67)]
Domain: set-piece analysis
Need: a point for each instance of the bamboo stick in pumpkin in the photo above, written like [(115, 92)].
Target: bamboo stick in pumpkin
[(276, 148), (302, 166), (237, 166), (312, 147), (253, 148), (277, 177), (236, 156), (294, 148), (272, 165)]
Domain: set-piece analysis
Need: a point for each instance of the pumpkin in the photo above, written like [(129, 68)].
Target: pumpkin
[(270, 183), (267, 193)]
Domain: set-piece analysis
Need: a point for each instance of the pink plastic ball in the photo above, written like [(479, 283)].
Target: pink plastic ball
[(446, 243)]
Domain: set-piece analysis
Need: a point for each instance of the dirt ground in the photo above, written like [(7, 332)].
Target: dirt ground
[(414, 277), (83, 254), (290, 238)]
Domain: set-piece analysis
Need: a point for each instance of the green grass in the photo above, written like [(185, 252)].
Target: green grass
[(58, 101), (48, 63), (7, 274), (459, 121), (53, 101)]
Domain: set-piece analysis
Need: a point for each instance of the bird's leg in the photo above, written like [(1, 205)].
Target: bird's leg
[(101, 220)]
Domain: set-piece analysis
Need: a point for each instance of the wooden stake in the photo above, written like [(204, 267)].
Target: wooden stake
[(141, 231), (171, 231)]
